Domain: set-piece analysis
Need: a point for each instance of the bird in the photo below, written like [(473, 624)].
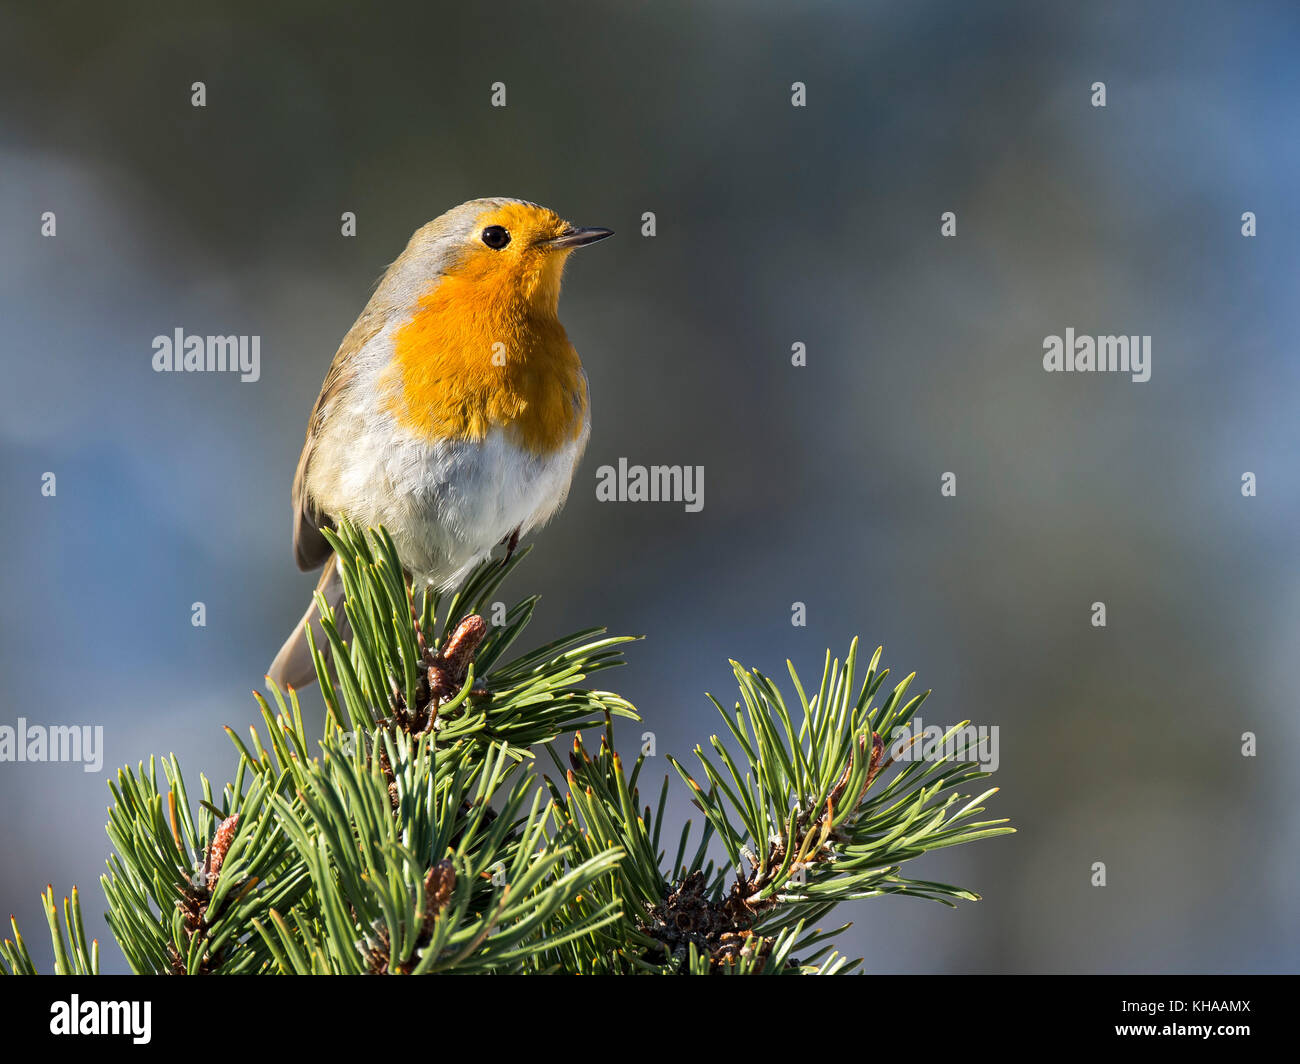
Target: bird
[(456, 410)]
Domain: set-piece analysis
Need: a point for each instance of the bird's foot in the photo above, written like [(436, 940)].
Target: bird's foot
[(512, 542)]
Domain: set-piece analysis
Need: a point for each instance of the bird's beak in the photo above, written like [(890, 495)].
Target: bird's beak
[(576, 237)]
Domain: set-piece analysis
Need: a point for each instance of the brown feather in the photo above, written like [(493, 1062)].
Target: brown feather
[(310, 548), (293, 665)]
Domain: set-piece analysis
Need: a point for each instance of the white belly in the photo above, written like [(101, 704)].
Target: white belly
[(446, 505)]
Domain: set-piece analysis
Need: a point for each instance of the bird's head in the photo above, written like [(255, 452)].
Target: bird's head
[(496, 254)]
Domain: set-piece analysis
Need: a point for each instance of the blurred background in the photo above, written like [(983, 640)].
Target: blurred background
[(776, 225)]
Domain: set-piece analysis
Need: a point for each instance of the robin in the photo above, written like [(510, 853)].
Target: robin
[(456, 409)]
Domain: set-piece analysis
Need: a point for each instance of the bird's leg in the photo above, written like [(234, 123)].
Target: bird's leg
[(511, 541)]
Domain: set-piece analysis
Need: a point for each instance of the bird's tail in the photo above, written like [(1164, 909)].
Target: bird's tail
[(293, 666)]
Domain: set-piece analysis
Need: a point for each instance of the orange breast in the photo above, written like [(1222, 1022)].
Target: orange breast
[(474, 357)]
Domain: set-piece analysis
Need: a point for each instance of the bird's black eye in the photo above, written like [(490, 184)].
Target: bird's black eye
[(496, 236)]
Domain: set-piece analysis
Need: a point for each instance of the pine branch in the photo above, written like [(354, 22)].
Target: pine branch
[(418, 835), (802, 816), (799, 825)]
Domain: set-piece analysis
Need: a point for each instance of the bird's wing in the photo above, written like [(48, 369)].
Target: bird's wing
[(310, 548)]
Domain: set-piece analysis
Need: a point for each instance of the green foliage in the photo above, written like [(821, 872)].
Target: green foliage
[(71, 955), (418, 835), (829, 838)]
